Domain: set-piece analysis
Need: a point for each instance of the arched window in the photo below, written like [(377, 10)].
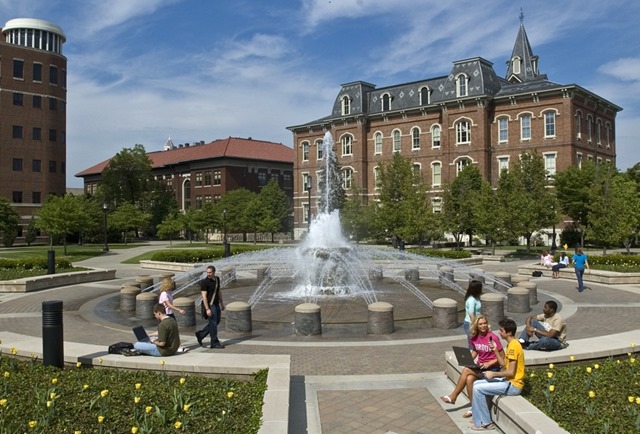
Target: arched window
[(346, 105), (550, 124), (463, 132), (415, 138), (319, 149), (461, 85), (607, 130), (461, 164), (376, 177), (435, 136), (525, 127), (578, 125), (396, 141), (377, 139), (589, 128), (347, 144), (515, 63), (599, 132), (305, 151), (503, 130), (386, 102), (425, 96)]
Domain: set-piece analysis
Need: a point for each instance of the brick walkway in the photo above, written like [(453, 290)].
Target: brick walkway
[(339, 387)]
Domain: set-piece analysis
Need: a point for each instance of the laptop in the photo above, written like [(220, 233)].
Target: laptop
[(463, 356), (141, 334)]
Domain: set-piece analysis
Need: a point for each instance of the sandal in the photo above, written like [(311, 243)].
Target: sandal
[(447, 400), (467, 414)]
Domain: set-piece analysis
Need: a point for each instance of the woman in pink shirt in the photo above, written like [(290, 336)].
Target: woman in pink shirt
[(480, 336)]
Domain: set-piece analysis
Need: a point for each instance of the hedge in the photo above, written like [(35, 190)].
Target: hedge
[(32, 264)]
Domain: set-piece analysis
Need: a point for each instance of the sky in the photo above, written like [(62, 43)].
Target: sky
[(141, 71)]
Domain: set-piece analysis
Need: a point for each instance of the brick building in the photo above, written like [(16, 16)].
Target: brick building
[(33, 99), (201, 172), (470, 116)]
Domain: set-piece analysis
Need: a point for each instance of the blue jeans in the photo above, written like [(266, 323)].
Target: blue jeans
[(544, 343), (147, 348), (211, 328), (579, 273), (483, 389), (467, 330)]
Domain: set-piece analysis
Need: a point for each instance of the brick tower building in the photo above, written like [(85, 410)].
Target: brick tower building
[(469, 116), (33, 99)]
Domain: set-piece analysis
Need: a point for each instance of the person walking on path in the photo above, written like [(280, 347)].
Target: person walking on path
[(508, 381), (212, 307), (471, 306), (580, 263), (481, 337)]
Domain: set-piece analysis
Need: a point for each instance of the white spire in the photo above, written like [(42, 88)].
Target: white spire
[(168, 145)]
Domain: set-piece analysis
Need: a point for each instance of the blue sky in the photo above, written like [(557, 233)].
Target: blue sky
[(141, 71)]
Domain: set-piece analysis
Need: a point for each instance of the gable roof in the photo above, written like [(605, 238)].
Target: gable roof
[(231, 147)]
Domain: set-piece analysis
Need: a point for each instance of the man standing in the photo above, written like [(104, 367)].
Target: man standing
[(548, 327), (508, 381), (212, 307), (168, 338)]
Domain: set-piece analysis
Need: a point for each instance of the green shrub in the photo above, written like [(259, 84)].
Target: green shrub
[(32, 263), (202, 255), (447, 254)]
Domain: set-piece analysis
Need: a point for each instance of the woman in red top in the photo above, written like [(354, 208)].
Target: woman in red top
[(480, 336)]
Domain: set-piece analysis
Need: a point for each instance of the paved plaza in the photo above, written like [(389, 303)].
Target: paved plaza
[(388, 385)]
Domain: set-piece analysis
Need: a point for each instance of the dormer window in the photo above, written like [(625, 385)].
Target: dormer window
[(461, 85), (425, 96), (516, 64), (346, 105), (386, 102)]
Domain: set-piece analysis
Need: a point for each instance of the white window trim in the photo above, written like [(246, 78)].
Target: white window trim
[(345, 105), (413, 147), (302, 146), (433, 183), (555, 123), (457, 126), (375, 151), (393, 141), (555, 159), (499, 158), (439, 127), (342, 144), (506, 119), (521, 117), (459, 94)]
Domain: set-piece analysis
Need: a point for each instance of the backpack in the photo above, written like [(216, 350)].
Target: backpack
[(118, 347)]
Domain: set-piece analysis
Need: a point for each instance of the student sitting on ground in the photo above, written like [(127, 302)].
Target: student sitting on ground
[(167, 341), (548, 327)]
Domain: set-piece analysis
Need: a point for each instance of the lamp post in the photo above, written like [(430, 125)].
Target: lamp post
[(105, 208), (309, 181), (227, 250)]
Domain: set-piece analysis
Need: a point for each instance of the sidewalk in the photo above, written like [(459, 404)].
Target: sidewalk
[(390, 385)]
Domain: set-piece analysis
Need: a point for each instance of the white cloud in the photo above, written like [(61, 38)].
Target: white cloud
[(627, 69)]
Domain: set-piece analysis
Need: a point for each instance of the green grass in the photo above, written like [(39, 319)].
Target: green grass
[(599, 397), (39, 399), (12, 274), (75, 252)]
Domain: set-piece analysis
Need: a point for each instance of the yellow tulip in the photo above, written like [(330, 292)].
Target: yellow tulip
[(79, 364), (148, 409), (633, 345), (186, 407), (77, 432), (54, 381), (134, 430), (49, 404), (100, 360), (631, 398), (178, 424), (136, 400), (100, 419), (552, 388), (3, 402), (550, 374), (533, 375), (85, 386), (182, 380), (33, 424), (589, 369), (596, 366), (572, 358), (638, 400), (6, 374), (14, 351), (632, 360), (162, 362), (138, 386), (52, 395), (229, 395), (592, 394), (550, 365), (104, 393)]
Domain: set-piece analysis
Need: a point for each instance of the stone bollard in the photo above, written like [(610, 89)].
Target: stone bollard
[(144, 305), (262, 273), (307, 320), (412, 274), (492, 307), (375, 273), (166, 276), (518, 300), (145, 281), (516, 279), (445, 273), (239, 317), (380, 318), (128, 296), (445, 314), (533, 291), (504, 277), (188, 305), (228, 275), (136, 284), (476, 276)]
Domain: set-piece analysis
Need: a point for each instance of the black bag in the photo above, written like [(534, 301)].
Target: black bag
[(536, 273), (117, 348)]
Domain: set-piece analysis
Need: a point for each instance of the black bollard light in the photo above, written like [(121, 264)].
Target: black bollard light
[(51, 262), (52, 337)]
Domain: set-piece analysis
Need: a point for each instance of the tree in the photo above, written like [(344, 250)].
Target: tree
[(127, 217), (272, 208), (403, 206), (613, 210), (170, 227), (127, 177), (68, 214), (235, 202), (356, 216), (9, 222), (460, 200), (490, 217), (32, 231), (573, 186)]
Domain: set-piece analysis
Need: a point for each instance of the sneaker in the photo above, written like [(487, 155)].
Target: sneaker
[(218, 346), (525, 344), (199, 338)]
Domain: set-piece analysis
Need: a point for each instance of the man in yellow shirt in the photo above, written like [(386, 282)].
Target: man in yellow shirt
[(508, 381)]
